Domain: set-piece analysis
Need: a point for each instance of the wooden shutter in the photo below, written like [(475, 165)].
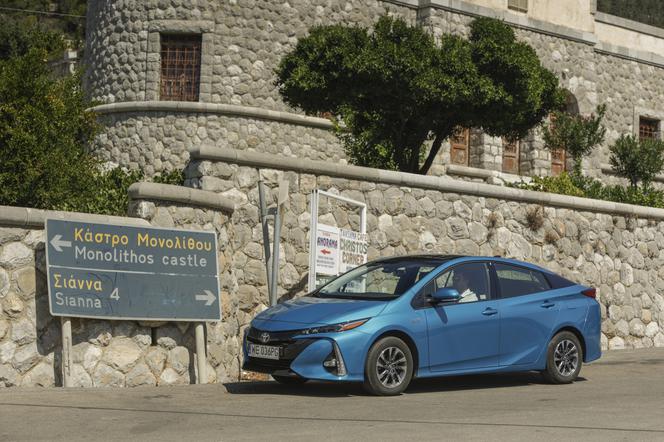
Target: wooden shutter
[(460, 147), (511, 156)]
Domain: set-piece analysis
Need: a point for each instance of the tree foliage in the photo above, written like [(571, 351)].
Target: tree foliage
[(44, 133), (393, 89), (577, 135), (637, 160)]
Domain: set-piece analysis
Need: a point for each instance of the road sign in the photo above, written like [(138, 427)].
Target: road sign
[(121, 272)]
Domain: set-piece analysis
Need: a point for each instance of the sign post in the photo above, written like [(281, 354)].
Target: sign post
[(131, 273)]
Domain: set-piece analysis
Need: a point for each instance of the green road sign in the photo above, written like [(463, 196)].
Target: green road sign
[(121, 272)]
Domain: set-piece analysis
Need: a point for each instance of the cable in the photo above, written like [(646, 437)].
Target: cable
[(32, 11)]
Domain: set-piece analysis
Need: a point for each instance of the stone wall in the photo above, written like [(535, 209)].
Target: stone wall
[(159, 140), (105, 353), (618, 249), (615, 247), (243, 43)]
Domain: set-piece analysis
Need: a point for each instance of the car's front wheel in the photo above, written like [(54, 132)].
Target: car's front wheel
[(389, 367), (564, 358)]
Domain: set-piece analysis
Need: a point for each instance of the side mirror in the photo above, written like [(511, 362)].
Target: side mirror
[(445, 294)]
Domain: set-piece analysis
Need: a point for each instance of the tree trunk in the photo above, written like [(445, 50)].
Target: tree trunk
[(435, 148)]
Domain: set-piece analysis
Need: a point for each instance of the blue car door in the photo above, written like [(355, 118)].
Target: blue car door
[(529, 311), (464, 335)]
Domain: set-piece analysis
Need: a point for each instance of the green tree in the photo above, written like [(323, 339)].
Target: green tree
[(578, 135), (44, 133), (393, 89), (637, 160)]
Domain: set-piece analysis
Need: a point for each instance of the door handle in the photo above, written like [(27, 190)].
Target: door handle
[(547, 304), (489, 311)]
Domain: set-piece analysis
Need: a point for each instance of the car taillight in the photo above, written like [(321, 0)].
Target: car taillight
[(591, 292)]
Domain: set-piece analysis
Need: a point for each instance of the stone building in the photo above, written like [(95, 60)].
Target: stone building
[(175, 74)]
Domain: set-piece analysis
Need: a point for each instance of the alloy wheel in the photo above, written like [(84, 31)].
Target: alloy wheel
[(566, 357), (391, 367)]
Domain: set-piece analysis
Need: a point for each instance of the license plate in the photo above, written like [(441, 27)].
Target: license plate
[(263, 351)]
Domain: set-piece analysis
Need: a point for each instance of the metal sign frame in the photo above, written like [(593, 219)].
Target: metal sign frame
[(132, 318), (313, 227)]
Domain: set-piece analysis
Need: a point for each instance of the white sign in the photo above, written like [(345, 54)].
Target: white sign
[(326, 259), (352, 249), (327, 250)]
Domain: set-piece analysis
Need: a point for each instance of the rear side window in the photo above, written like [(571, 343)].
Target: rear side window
[(558, 282), (517, 281)]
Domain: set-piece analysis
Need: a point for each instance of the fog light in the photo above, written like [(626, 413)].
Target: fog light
[(330, 363)]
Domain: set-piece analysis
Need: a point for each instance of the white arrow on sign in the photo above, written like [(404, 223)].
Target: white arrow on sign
[(58, 243), (207, 296)]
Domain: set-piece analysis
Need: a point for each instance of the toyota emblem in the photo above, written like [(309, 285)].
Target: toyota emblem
[(265, 338)]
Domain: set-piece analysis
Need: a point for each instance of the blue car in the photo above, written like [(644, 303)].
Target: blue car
[(390, 320)]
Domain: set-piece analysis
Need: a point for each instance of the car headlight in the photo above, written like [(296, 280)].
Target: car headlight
[(342, 326)]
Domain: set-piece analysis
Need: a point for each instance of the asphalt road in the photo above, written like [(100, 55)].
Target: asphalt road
[(620, 397)]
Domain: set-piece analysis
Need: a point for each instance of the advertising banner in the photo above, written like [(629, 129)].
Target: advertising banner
[(327, 250)]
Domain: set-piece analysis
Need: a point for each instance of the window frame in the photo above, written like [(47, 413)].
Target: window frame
[(181, 39), (657, 133), (517, 5), (520, 267)]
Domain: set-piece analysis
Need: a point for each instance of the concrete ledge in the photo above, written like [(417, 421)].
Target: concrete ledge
[(28, 217), (413, 4), (490, 176), (608, 170), (179, 194), (632, 25), (516, 20), (181, 26), (442, 184), (644, 57), (212, 108)]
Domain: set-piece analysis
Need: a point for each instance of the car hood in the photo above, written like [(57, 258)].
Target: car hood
[(321, 311)]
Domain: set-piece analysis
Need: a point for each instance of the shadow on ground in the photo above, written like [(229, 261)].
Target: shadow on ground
[(332, 389)]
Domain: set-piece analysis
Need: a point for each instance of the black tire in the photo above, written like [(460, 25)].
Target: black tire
[(289, 380), (395, 367), (564, 357)]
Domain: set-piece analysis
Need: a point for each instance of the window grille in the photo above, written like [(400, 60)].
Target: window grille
[(648, 128), (518, 5), (180, 67)]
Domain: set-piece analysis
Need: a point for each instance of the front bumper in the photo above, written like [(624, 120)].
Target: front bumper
[(304, 356)]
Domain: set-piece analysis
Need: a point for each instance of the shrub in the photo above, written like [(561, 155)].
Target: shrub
[(637, 160), (566, 184), (576, 134)]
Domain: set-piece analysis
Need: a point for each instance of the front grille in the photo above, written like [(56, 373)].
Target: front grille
[(289, 350), (276, 337)]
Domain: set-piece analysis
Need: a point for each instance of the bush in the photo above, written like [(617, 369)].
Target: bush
[(637, 160), (44, 133), (576, 134), (566, 184)]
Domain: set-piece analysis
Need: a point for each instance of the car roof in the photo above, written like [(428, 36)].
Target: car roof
[(461, 258)]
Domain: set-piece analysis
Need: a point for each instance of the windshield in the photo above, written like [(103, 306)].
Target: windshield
[(379, 280)]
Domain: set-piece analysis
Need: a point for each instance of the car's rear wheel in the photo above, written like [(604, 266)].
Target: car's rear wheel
[(289, 380), (389, 367), (564, 358)]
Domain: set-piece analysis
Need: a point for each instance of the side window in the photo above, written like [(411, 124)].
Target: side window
[(471, 281), (517, 281)]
